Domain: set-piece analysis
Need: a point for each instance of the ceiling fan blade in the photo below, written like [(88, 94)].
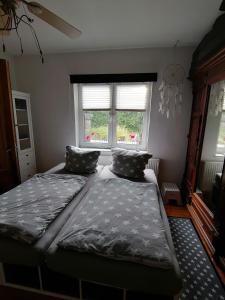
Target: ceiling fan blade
[(222, 6), (53, 20), (3, 22)]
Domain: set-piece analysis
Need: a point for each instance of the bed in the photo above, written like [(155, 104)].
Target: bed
[(128, 275), (14, 251), (45, 266)]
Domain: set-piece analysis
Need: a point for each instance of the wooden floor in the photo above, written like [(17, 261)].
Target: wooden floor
[(177, 211)]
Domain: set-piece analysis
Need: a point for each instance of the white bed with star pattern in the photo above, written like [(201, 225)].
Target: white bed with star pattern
[(127, 258), (27, 210), (119, 235), (32, 214), (120, 219)]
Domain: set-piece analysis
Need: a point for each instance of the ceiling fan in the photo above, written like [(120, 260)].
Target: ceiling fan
[(222, 6), (10, 20)]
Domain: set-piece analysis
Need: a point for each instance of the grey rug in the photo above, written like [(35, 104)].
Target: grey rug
[(199, 277)]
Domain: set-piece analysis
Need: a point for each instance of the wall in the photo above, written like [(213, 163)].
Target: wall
[(11, 66), (53, 107)]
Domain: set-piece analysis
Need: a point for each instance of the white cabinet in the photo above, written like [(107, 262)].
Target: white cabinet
[(24, 135)]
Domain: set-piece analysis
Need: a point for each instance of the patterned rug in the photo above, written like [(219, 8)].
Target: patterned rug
[(199, 277)]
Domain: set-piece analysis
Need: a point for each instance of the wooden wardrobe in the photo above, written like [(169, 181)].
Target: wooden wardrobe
[(208, 67), (9, 174)]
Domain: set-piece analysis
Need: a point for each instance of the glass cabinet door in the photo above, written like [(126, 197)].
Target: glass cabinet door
[(22, 123)]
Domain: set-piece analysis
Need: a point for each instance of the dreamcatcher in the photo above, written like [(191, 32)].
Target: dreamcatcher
[(171, 90)]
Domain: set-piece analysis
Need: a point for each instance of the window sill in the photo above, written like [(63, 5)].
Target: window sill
[(219, 155), (102, 150), (107, 151)]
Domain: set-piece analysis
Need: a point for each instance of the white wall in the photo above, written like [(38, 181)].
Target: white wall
[(53, 107), (11, 66)]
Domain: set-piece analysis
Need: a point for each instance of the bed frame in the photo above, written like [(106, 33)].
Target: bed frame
[(64, 287), (43, 281)]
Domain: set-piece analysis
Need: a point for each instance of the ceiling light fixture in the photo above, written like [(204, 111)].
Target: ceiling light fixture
[(11, 20)]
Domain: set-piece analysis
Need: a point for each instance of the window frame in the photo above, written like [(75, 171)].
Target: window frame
[(220, 151), (112, 118)]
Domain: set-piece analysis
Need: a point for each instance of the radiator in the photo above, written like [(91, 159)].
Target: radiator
[(208, 170), (153, 164)]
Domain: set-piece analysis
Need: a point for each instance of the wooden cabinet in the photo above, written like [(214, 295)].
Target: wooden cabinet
[(210, 226), (195, 137), (17, 154), (24, 134), (203, 219), (9, 175)]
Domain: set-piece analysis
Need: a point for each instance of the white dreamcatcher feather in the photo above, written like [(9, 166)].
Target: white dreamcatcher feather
[(171, 90)]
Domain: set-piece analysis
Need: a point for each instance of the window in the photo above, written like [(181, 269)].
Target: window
[(114, 115), (221, 136)]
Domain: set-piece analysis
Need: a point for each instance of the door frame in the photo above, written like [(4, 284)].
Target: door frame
[(10, 137)]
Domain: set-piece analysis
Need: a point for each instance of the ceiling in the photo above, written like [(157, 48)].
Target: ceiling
[(120, 24)]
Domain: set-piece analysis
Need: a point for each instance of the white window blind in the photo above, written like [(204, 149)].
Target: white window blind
[(95, 97), (131, 97), (105, 111)]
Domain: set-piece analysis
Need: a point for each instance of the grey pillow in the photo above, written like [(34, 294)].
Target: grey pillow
[(81, 161), (129, 163)]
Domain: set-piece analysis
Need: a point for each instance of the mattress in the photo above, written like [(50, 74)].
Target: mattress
[(15, 252), (123, 274)]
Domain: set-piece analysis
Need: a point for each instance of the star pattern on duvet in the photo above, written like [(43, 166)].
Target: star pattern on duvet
[(127, 224), (118, 215), (114, 229), (26, 210)]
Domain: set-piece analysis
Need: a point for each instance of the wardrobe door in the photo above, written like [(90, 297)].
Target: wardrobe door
[(195, 138), (8, 155)]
